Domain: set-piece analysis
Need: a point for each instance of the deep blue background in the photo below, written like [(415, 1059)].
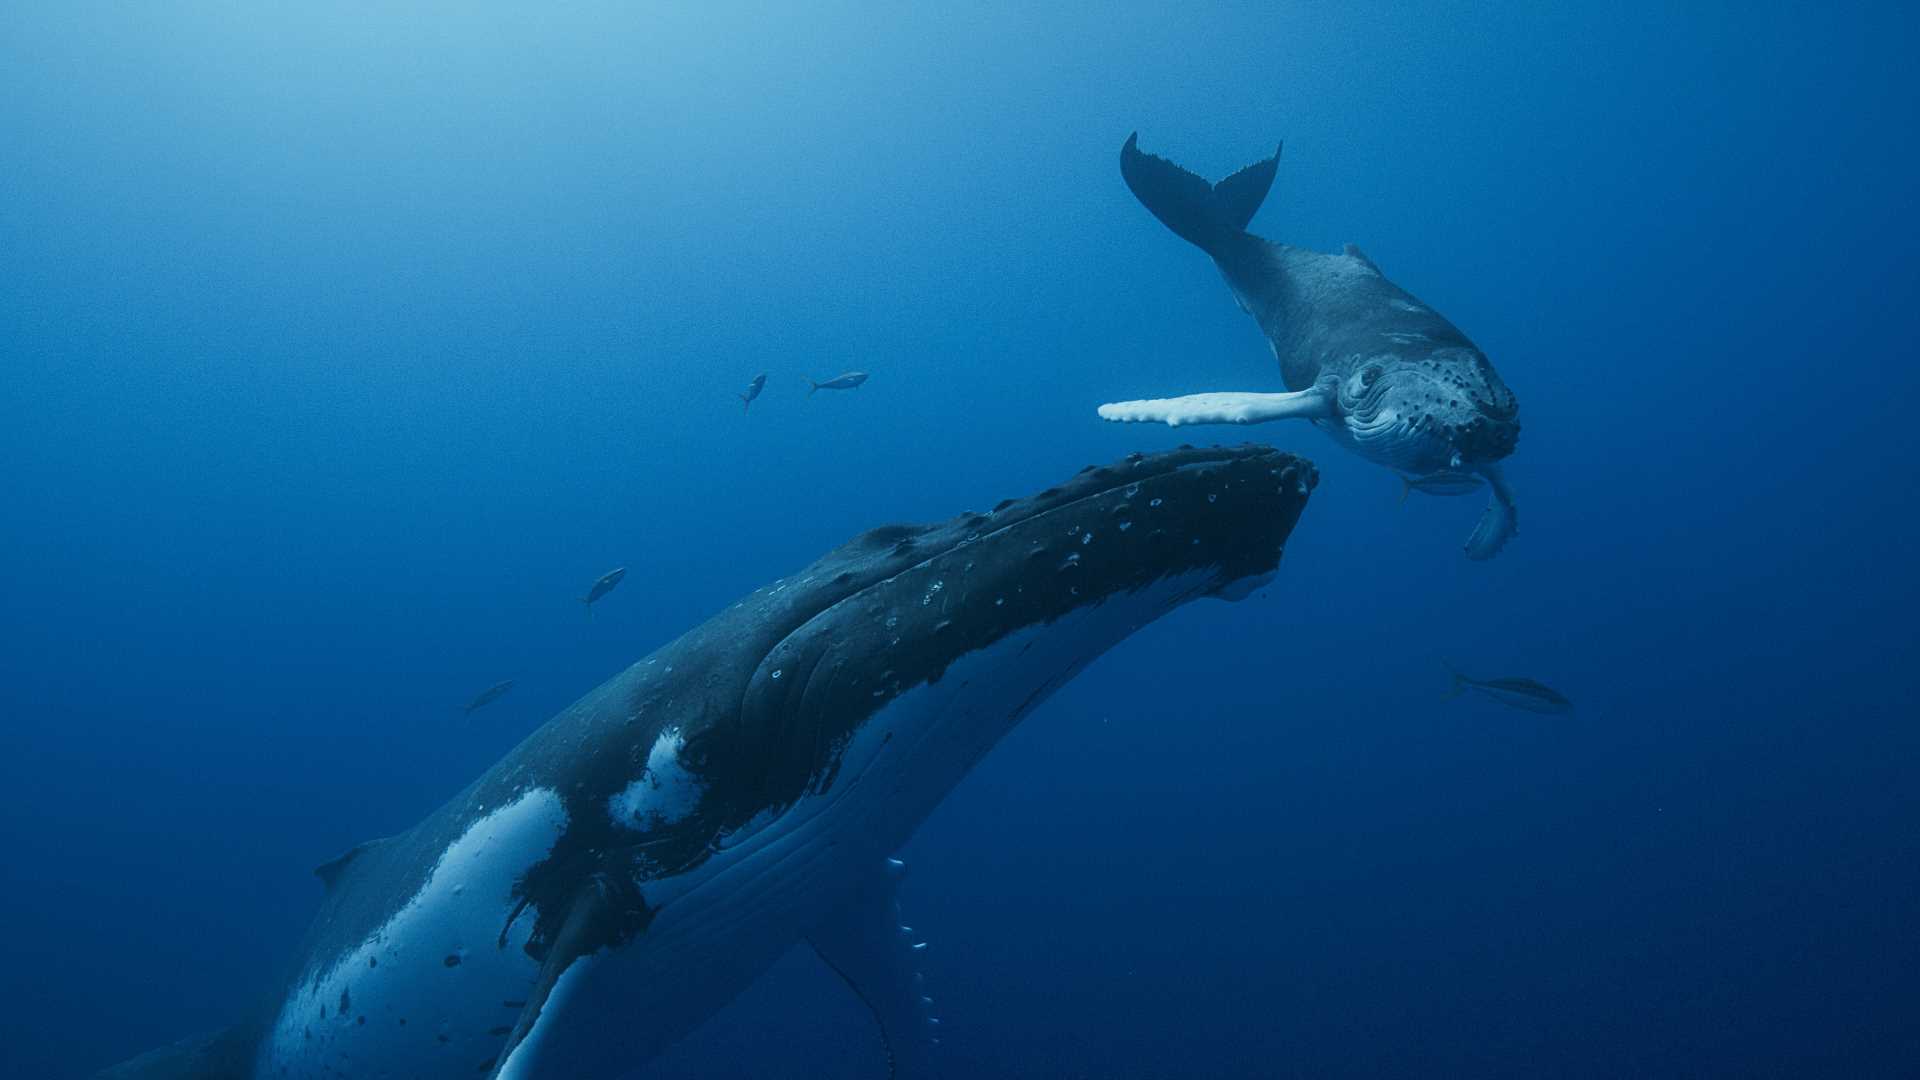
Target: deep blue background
[(340, 351)]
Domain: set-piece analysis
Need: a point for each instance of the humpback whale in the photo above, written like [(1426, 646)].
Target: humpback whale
[(1384, 374), (648, 852)]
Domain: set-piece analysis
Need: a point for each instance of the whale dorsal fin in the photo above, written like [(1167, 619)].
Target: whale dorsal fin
[(329, 872), (1352, 251)]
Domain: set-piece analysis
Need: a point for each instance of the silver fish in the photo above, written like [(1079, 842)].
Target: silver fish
[(758, 384), (602, 587), (490, 694), (1444, 482), (1514, 693), (844, 381)]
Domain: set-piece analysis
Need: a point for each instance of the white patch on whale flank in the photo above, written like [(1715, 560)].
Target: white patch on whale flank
[(665, 793), (428, 988)]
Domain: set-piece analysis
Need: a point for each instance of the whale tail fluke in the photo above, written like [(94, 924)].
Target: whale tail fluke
[(1206, 215), (746, 403), (811, 387), (1457, 686)]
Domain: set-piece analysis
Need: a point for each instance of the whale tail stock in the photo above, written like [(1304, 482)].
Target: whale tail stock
[(1209, 216)]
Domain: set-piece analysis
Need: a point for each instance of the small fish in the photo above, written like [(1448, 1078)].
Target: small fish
[(1523, 694), (602, 587), (1444, 482), (845, 381), (758, 384), (489, 695)]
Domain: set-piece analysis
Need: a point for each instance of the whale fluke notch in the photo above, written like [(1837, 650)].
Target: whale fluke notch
[(329, 872)]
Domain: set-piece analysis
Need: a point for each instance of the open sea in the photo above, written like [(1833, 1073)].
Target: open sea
[(344, 346)]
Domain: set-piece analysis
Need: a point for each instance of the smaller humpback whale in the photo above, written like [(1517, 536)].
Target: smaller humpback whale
[(1384, 374), (488, 696), (603, 586), (845, 381), (758, 384)]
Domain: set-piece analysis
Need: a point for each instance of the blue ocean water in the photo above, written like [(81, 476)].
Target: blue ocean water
[(341, 348)]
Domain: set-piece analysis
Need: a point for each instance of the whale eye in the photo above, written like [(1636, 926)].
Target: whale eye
[(1370, 374)]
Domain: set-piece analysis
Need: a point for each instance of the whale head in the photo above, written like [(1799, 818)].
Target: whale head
[(905, 653), (1442, 410), (941, 637)]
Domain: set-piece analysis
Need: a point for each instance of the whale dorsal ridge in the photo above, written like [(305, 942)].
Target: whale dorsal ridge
[(329, 872)]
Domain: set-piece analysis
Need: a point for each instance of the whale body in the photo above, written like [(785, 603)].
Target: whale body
[(1386, 376), (648, 852)]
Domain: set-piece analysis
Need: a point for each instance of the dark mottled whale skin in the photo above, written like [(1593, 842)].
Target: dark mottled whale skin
[(1384, 374), (648, 852)]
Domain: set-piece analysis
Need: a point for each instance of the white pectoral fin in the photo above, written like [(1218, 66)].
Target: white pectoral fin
[(1314, 403), (525, 1054), (866, 945), (1500, 521)]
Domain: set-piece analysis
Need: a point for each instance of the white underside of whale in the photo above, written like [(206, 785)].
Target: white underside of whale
[(427, 993)]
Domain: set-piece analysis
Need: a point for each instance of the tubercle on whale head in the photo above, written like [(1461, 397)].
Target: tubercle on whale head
[(1423, 414), (1118, 545)]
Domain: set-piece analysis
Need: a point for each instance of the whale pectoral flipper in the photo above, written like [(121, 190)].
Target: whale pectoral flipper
[(1314, 403), (866, 945), (1500, 521), (589, 922)]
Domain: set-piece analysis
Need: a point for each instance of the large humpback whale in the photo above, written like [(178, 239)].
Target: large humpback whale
[(648, 852), (1384, 374)]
